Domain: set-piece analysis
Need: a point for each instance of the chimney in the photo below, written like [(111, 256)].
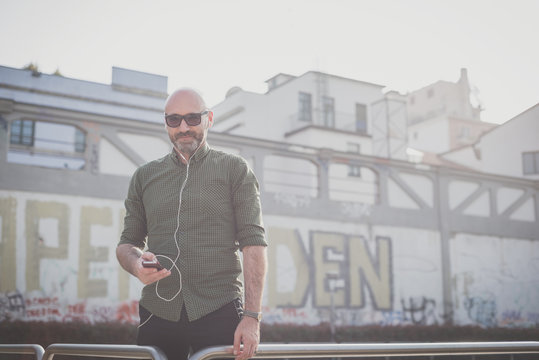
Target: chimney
[(464, 76)]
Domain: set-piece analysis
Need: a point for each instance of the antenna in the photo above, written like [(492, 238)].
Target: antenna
[(475, 98)]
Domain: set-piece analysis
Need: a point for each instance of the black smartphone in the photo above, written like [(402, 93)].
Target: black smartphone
[(152, 264)]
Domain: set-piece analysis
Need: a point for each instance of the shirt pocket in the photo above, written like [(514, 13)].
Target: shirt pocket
[(215, 199)]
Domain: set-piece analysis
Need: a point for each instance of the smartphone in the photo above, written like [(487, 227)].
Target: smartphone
[(152, 264)]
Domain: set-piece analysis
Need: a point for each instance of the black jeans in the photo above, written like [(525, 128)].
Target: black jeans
[(177, 338)]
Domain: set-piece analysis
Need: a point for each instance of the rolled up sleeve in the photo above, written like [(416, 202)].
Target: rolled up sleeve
[(135, 229), (247, 207)]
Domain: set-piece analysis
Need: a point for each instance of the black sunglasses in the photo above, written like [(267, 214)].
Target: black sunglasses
[(192, 119)]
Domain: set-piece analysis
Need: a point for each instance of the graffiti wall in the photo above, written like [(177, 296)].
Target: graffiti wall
[(57, 263), (496, 281)]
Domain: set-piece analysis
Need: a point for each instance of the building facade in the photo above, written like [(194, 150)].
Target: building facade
[(445, 116), (511, 149), (368, 238), (320, 110)]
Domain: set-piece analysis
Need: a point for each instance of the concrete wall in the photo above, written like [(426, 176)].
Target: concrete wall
[(430, 135), (502, 148), (392, 250), (495, 280), (58, 263)]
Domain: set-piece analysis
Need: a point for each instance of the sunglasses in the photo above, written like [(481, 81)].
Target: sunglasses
[(192, 119)]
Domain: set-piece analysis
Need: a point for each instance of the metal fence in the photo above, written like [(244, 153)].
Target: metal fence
[(276, 351), (29, 349), (381, 350)]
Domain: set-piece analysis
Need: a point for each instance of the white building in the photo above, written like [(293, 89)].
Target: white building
[(319, 110), (511, 149), (57, 138), (444, 116), (328, 111)]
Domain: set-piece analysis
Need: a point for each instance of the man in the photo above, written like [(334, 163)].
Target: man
[(197, 206)]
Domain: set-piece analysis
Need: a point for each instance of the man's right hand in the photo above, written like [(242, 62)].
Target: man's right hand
[(130, 259), (148, 275)]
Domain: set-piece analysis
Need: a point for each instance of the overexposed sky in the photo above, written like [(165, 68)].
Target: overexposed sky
[(212, 45)]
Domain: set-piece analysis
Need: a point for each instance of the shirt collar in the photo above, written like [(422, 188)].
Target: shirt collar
[(199, 154), (202, 152)]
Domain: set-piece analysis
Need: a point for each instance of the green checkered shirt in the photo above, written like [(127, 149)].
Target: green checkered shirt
[(220, 213)]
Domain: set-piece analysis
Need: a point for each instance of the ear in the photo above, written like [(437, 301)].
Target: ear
[(209, 123)]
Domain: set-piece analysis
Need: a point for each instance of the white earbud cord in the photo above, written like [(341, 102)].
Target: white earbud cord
[(175, 233), (176, 242)]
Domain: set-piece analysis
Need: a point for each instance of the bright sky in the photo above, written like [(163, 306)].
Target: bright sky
[(212, 45)]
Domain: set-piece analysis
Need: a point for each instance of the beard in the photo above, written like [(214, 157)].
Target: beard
[(190, 147)]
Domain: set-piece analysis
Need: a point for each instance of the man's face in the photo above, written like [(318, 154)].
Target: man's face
[(185, 138)]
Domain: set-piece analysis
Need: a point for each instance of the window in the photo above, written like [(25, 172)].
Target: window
[(304, 107), (361, 118), (360, 186), (22, 132), (80, 141), (530, 163), (464, 132), (354, 170), (47, 144), (353, 148), (430, 93), (328, 111)]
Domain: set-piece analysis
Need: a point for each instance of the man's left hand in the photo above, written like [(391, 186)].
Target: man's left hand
[(248, 334)]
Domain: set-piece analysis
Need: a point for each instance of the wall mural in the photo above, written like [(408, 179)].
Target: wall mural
[(57, 263)]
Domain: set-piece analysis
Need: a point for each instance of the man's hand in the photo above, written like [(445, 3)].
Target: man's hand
[(248, 330), (248, 334), (149, 275), (130, 259)]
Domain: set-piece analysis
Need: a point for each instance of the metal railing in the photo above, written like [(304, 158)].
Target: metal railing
[(300, 350), (375, 350), (23, 349), (99, 350)]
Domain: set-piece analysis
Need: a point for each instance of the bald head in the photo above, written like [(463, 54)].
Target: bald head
[(184, 98), (186, 138)]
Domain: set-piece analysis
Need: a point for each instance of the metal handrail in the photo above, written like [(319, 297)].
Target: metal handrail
[(311, 350), (32, 349), (300, 350), (102, 350)]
